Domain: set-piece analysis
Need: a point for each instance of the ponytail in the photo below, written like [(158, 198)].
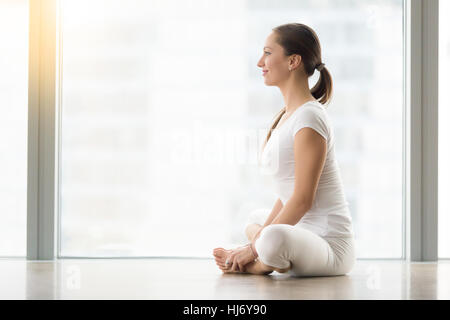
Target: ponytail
[(323, 90)]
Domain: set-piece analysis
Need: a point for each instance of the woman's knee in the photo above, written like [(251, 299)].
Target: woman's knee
[(271, 242)]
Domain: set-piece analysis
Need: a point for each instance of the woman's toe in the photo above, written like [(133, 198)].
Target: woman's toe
[(219, 263), (220, 253)]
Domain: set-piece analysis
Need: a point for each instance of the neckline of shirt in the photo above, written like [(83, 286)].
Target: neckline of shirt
[(293, 113)]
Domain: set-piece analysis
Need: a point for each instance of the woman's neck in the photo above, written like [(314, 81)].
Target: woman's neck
[(295, 93)]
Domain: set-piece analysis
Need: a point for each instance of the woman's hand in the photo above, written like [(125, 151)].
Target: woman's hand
[(240, 257)]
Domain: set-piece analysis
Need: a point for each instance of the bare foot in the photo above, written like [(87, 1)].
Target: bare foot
[(221, 255), (255, 267)]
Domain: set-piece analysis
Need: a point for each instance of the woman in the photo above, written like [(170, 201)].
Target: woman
[(309, 230)]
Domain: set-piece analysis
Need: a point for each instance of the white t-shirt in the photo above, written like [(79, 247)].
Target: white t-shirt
[(329, 215)]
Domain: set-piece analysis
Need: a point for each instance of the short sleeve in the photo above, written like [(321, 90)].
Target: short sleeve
[(310, 117)]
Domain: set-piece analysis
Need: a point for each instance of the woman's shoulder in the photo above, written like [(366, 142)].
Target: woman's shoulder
[(312, 109), (315, 105), (313, 115)]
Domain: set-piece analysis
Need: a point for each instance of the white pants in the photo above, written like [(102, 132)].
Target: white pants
[(282, 245)]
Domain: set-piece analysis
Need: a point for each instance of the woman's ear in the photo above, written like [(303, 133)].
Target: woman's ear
[(295, 61)]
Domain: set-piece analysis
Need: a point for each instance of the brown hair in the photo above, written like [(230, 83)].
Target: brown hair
[(297, 38)]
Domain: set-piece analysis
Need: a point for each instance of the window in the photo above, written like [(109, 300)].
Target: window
[(164, 111), (13, 126), (444, 132)]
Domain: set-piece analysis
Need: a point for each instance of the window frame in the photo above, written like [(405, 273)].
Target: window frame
[(420, 130), (42, 84)]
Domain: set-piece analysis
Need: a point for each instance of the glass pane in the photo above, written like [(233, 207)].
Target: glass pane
[(164, 111), (444, 131), (13, 126)]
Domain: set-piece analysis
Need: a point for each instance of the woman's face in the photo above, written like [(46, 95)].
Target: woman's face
[(274, 62)]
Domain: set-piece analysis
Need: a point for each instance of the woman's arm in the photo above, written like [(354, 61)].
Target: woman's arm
[(310, 154), (310, 151)]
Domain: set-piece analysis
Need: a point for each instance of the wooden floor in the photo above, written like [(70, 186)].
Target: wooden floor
[(201, 279)]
